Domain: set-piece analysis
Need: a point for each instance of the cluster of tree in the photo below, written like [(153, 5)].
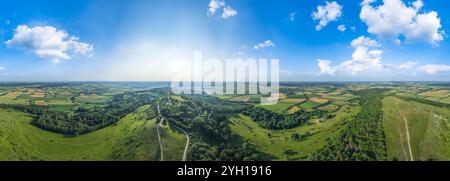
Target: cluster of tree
[(33, 110), (87, 120), (204, 118), (363, 136), (274, 121), (425, 101)]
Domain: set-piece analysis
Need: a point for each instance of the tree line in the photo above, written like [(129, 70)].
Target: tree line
[(275, 121)]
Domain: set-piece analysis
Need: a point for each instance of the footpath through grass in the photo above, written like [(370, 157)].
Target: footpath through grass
[(428, 126)]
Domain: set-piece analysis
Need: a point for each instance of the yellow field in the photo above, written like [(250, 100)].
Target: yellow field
[(293, 110), (38, 95), (319, 100), (12, 95), (281, 96), (40, 103), (436, 93), (295, 101)]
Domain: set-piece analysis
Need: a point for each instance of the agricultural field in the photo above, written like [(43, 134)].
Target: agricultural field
[(280, 107)]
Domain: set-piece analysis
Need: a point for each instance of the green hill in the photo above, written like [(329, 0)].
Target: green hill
[(132, 138), (416, 130), (290, 144)]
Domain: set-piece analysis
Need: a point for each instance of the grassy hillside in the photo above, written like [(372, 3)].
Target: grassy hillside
[(173, 144), (132, 138), (291, 144), (428, 130)]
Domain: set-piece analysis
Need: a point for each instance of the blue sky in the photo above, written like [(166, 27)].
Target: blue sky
[(82, 40)]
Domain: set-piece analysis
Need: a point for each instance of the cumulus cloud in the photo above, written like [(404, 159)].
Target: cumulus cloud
[(342, 28), (215, 5), (265, 44), (326, 14), (228, 12), (433, 69), (393, 19), (365, 56), (326, 68), (48, 43)]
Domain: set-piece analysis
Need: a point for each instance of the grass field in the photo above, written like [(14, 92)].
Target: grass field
[(173, 144), (132, 138), (309, 105), (12, 97), (428, 130), (297, 96), (279, 144), (293, 101), (91, 98), (280, 107)]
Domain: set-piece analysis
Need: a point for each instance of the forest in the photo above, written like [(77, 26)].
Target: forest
[(275, 121), (362, 137), (205, 119)]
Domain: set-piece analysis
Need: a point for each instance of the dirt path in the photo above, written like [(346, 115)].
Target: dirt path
[(407, 138), (160, 144), (187, 142), (178, 128)]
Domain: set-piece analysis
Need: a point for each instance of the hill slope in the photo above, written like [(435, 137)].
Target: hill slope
[(132, 138), (415, 131)]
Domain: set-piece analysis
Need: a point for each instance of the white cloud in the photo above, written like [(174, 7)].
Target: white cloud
[(365, 57), (342, 28), (228, 12), (407, 65), (393, 19), (48, 43), (364, 42), (292, 16), (326, 14), (326, 68), (214, 5), (2, 68), (265, 44), (433, 69), (418, 4)]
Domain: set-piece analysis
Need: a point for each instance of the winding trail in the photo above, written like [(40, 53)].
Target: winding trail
[(407, 138), (178, 128), (187, 142)]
